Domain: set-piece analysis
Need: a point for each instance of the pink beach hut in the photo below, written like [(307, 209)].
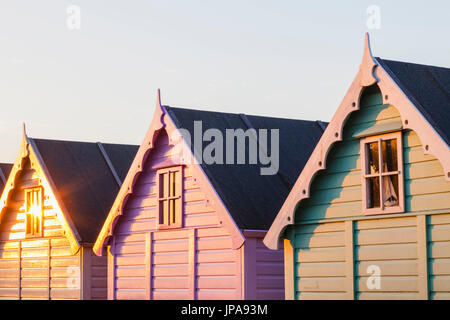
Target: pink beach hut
[(183, 229)]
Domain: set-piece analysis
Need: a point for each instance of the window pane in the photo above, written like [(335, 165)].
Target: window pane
[(164, 185), (28, 201), (389, 149), (165, 212), (28, 223), (172, 211), (373, 192), (390, 191), (37, 225), (372, 158), (173, 184), (177, 176)]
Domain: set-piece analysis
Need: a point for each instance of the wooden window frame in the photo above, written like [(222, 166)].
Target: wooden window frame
[(364, 164), (178, 195), (30, 217)]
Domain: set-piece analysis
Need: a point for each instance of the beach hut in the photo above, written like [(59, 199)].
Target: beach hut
[(54, 203), (186, 225), (369, 215)]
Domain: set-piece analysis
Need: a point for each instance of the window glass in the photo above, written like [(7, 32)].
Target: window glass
[(389, 151), (169, 200), (390, 190), (373, 189), (373, 165)]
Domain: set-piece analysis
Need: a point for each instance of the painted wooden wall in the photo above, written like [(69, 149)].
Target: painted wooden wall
[(196, 262), (41, 268), (263, 269), (334, 245)]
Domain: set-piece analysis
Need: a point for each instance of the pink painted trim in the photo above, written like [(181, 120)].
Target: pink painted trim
[(162, 121), (392, 94), (401, 196), (167, 164)]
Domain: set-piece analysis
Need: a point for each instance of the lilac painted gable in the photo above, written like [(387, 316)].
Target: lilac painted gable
[(195, 262)]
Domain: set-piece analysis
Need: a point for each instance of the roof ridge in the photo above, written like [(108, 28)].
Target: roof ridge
[(413, 63), (237, 114), (79, 141)]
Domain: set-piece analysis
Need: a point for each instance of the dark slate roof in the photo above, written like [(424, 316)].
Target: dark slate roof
[(84, 180), (6, 169), (252, 199), (428, 88)]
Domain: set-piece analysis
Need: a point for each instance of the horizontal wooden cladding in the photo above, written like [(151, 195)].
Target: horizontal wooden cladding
[(438, 232), (386, 236), (217, 282), (388, 268), (328, 284), (39, 293), (265, 255), (423, 170), (319, 228), (130, 283), (386, 252), (439, 266), (338, 180), (217, 294), (440, 283), (385, 223), (327, 240), (320, 269), (320, 255), (382, 295), (304, 295), (439, 249), (439, 219), (388, 284), (415, 154), (427, 186), (195, 215), (35, 253), (270, 282), (170, 234), (336, 196)]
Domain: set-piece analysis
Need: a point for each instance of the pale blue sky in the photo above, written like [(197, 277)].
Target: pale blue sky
[(292, 59)]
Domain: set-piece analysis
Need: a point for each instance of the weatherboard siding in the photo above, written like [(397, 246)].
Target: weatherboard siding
[(412, 249), (40, 268), (269, 272)]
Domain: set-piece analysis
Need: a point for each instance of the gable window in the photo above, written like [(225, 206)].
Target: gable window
[(169, 182), (33, 212), (382, 178)]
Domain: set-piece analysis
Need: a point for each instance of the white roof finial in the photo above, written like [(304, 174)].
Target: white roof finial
[(158, 98)]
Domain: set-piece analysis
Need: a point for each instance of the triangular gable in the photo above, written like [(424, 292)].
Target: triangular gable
[(29, 149), (370, 72), (162, 121)]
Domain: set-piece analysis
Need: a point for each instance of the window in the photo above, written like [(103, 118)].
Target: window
[(33, 212), (382, 167), (169, 181)]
